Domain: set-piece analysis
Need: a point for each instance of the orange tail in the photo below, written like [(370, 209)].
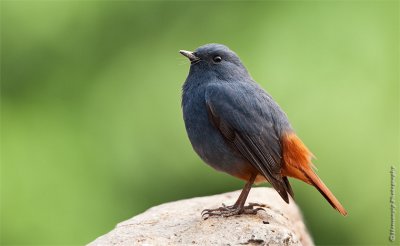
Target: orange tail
[(297, 164), (321, 187)]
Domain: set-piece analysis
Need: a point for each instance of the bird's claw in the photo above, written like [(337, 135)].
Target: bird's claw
[(227, 211)]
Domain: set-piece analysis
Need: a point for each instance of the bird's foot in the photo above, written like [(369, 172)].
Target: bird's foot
[(227, 211)]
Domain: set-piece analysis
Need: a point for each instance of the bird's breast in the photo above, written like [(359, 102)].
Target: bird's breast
[(206, 140)]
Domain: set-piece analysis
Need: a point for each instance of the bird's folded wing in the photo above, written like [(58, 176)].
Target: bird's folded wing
[(244, 119)]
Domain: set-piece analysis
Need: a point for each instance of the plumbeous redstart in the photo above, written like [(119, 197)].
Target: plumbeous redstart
[(236, 127)]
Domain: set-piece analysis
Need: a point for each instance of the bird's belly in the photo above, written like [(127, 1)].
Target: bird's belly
[(209, 144)]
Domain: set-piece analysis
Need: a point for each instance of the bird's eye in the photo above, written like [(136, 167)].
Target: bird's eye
[(217, 59)]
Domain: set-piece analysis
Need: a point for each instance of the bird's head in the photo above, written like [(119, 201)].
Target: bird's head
[(216, 60)]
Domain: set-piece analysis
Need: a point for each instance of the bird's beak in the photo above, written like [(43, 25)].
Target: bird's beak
[(189, 55)]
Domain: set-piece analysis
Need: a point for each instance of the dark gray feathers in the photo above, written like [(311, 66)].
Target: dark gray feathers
[(231, 121), (245, 116)]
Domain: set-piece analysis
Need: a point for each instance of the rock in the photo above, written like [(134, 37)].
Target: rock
[(180, 223)]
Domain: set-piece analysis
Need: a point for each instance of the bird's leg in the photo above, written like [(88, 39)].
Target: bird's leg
[(238, 207)]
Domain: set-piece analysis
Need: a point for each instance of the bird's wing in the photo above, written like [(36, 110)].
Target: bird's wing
[(244, 117)]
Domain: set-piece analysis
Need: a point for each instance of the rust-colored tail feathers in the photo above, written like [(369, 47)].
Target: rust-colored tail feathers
[(297, 164), (321, 187)]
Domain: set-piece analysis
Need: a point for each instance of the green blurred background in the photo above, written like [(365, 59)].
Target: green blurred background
[(92, 131)]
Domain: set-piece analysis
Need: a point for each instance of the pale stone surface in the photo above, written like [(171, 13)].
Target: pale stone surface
[(180, 223)]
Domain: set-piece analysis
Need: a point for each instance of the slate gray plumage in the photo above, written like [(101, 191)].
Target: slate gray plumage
[(236, 127)]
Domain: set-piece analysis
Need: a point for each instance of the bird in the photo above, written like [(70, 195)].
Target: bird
[(236, 127)]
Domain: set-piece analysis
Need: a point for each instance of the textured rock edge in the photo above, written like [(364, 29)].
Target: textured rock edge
[(180, 223)]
